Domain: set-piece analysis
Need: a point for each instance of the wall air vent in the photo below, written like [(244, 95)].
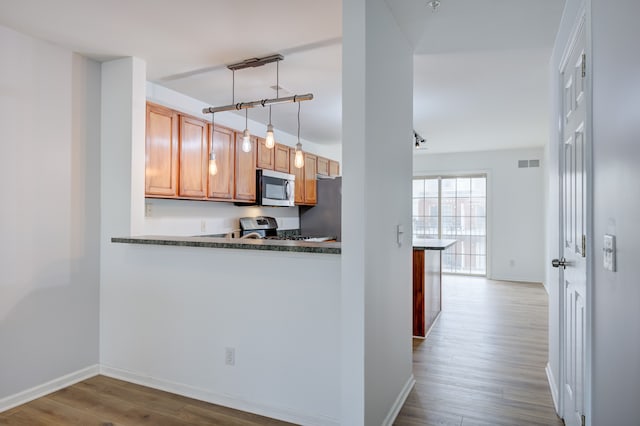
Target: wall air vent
[(523, 163), (534, 163)]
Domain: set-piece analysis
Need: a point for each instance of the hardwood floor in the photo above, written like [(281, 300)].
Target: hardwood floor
[(483, 363), (105, 401)]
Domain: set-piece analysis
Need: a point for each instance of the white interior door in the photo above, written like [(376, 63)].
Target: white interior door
[(574, 234)]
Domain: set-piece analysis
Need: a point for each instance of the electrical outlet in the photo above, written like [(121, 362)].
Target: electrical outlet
[(203, 226), (148, 210), (230, 356)]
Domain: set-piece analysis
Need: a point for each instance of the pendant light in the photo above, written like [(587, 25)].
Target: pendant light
[(270, 141), (246, 136), (213, 167), (299, 157)]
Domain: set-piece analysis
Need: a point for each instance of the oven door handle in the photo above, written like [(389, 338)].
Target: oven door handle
[(287, 189)]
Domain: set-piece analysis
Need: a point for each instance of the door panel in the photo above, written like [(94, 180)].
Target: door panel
[(573, 175), (193, 158)]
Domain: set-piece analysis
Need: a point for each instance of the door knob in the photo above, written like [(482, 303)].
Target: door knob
[(557, 263)]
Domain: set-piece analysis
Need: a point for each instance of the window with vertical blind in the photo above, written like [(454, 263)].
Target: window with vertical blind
[(454, 207)]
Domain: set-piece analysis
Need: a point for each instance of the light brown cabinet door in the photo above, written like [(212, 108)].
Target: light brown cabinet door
[(310, 178), (221, 185), (193, 158), (265, 155), (334, 168), (245, 171), (323, 166), (281, 163), (161, 152), (299, 174)]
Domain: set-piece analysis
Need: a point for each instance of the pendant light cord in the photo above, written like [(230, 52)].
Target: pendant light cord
[(298, 122)]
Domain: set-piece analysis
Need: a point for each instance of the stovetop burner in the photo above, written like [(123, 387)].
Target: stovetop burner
[(300, 238)]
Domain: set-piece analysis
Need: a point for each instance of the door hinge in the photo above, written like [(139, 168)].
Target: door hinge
[(584, 245), (584, 65), (583, 420)]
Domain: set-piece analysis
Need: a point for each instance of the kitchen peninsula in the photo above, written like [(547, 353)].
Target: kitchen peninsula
[(427, 282), (235, 243)]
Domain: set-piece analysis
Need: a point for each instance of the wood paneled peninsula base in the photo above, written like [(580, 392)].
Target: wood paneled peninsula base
[(427, 283)]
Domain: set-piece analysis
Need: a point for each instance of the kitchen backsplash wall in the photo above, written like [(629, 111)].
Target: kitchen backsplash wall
[(184, 217)]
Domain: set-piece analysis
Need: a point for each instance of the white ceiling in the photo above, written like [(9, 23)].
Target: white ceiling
[(481, 67)]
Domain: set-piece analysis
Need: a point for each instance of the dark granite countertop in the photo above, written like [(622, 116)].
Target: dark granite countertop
[(234, 243), (431, 244)]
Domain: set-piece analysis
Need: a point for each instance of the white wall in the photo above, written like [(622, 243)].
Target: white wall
[(49, 219), (616, 200), (515, 206), (376, 275), (172, 217), (168, 313)]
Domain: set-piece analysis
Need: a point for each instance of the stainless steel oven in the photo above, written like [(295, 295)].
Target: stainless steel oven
[(275, 188)]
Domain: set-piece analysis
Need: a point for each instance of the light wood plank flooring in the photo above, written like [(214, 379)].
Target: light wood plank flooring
[(105, 401), (483, 363)]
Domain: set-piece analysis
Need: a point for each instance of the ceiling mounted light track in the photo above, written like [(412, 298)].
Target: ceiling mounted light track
[(255, 62), (253, 104)]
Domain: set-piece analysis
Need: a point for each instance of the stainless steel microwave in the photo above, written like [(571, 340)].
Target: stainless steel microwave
[(275, 188)]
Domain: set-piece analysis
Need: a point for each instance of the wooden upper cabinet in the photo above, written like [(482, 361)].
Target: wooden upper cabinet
[(245, 170), (266, 156), (334, 168), (194, 146), (221, 185), (161, 152), (310, 178), (299, 174), (281, 163), (323, 166)]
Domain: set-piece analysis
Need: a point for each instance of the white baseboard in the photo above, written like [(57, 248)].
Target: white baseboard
[(397, 406), (224, 400), (47, 388), (553, 387)]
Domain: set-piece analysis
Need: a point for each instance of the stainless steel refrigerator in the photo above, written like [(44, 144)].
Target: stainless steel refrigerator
[(325, 218)]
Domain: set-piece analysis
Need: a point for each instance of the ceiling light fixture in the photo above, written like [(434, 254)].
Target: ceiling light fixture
[(252, 63), (419, 141), (299, 157), (433, 4), (213, 167)]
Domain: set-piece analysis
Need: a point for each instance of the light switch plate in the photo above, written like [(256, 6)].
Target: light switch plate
[(399, 233), (609, 253)]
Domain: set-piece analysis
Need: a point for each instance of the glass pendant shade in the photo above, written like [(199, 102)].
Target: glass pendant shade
[(299, 157), (213, 167), (270, 141), (246, 136), (246, 141)]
